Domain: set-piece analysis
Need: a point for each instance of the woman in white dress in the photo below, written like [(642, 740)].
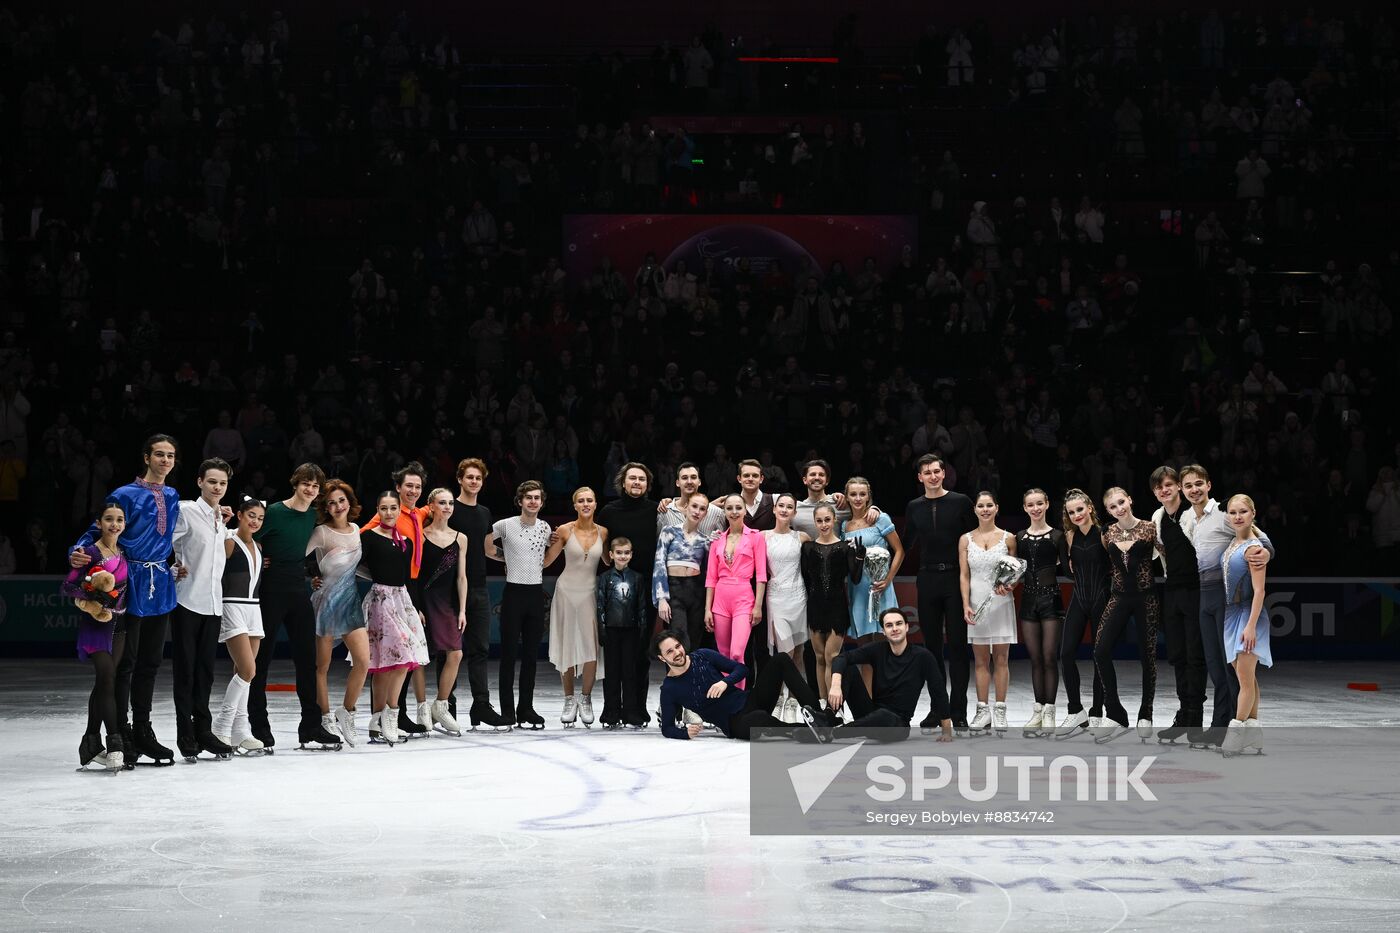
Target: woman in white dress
[(786, 593), (993, 632), (573, 610)]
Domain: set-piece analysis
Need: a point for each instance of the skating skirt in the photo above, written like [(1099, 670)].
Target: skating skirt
[(240, 619), (94, 636), (1236, 617), (337, 607), (395, 634), (440, 608), (787, 617)]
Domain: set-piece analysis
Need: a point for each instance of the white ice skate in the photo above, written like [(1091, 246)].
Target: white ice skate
[(241, 737), (443, 720), (1234, 743), (1033, 725), (329, 723), (116, 761), (389, 725), (1110, 729), (1047, 720), (569, 717), (585, 711), (1144, 730), (1253, 736), (376, 729), (425, 715), (1072, 724), (981, 723), (999, 724), (345, 725)]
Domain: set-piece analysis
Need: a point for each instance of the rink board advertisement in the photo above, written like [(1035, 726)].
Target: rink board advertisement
[(1311, 781), (797, 241), (1311, 618)]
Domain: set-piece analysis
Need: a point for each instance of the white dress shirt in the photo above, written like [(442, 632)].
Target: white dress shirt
[(199, 548)]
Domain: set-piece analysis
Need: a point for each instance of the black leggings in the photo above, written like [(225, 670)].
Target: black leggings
[(135, 682), (1145, 610), (1081, 615), (763, 696), (1041, 621), (102, 703), (522, 627)]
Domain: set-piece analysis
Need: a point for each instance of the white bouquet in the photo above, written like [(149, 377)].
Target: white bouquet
[(1005, 572), (877, 568)]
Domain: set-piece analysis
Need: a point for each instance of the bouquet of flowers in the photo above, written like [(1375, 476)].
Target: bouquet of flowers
[(1005, 572), (877, 568)]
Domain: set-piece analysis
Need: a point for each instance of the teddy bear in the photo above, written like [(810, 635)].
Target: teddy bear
[(100, 595)]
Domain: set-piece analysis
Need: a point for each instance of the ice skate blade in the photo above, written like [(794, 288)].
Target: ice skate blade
[(1078, 731), (455, 735), (490, 729), (158, 763), (1116, 731), (319, 747)]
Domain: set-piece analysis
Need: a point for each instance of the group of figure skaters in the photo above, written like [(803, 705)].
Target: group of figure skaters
[(786, 579)]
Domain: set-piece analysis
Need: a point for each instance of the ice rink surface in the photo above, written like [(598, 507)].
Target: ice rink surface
[(602, 831)]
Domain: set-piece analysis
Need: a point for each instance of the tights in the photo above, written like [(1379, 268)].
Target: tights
[(102, 703), (1145, 610), (1042, 640)]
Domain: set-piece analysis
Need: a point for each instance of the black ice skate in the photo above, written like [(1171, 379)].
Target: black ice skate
[(318, 739), (144, 744), (528, 718), (1176, 733), (210, 744), (486, 719)]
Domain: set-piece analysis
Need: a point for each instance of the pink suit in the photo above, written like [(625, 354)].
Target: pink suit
[(734, 589)]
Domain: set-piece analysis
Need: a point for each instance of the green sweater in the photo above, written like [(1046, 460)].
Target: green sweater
[(283, 537)]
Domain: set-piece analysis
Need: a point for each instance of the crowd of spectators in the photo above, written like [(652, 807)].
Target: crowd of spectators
[(277, 257)]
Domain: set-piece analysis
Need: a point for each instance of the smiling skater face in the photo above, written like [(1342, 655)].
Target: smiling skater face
[(986, 508), (1035, 505), (112, 522), (1119, 504), (673, 653)]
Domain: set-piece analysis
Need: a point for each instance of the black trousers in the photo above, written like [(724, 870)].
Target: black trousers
[(764, 691), (866, 713), (941, 620), (1223, 678), (1181, 622), (194, 643), (290, 610), (522, 628), (140, 661), (1145, 611), (624, 692), (1080, 615), (643, 657)]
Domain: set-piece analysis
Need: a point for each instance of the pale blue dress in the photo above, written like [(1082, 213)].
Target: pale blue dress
[(1239, 596), (863, 620)]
